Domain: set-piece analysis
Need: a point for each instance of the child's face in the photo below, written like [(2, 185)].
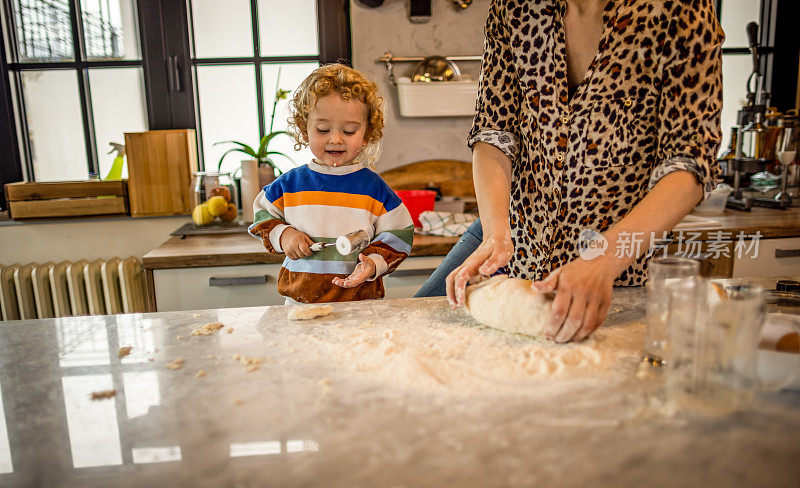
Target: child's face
[(336, 130)]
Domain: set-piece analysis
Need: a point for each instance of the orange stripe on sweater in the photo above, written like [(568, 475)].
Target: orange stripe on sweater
[(349, 200)]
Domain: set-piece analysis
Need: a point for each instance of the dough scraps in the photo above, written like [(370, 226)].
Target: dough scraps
[(176, 364), (307, 313), (208, 329), (103, 395), (509, 304)]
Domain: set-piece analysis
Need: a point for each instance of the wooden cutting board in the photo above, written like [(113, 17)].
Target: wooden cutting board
[(160, 167)]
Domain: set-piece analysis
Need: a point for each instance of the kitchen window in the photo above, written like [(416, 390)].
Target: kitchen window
[(235, 45), (68, 64), (737, 62), (77, 74)]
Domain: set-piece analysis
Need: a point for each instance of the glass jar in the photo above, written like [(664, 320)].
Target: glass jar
[(209, 184)]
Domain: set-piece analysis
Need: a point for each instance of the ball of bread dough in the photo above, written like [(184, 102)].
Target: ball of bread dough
[(509, 304)]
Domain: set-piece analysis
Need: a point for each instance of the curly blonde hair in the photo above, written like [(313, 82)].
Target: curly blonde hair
[(349, 84)]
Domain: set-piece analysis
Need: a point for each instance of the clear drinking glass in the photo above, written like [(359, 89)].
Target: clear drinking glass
[(786, 153), (713, 365), (688, 299), (664, 273)]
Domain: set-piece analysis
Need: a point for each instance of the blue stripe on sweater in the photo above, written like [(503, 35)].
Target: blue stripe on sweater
[(319, 267), (361, 182), (394, 242)]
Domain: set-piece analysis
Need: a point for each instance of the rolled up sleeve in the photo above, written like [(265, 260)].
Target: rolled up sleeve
[(689, 131), (498, 105)]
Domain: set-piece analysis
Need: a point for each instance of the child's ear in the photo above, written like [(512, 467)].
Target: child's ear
[(304, 135)]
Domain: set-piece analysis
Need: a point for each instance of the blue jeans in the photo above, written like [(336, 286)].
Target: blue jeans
[(466, 245)]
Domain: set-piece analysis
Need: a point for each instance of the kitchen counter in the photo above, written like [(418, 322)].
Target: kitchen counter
[(380, 394), (238, 249)]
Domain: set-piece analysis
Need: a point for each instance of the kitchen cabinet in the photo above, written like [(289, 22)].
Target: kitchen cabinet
[(774, 257), (256, 284), (216, 287)]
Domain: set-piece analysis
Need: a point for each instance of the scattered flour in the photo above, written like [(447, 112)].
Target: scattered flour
[(420, 352)]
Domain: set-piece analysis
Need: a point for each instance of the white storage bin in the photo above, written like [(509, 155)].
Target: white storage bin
[(436, 99)]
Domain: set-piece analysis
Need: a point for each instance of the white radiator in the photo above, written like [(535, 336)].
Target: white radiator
[(70, 288)]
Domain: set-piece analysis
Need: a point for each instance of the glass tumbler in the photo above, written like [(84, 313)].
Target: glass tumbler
[(715, 367), (664, 273)]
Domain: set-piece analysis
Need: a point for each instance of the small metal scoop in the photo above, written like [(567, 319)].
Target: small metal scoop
[(346, 244)]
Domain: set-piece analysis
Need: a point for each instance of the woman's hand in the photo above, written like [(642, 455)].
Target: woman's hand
[(295, 243), (583, 295), (365, 269), (493, 253)]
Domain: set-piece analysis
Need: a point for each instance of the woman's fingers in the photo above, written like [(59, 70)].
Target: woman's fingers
[(549, 284), (456, 281), (558, 313), (574, 320), (595, 316)]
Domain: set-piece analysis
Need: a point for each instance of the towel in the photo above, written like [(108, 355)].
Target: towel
[(447, 224)]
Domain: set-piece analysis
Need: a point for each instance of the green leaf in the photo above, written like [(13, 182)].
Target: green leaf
[(282, 94), (235, 149), (244, 147), (262, 149)]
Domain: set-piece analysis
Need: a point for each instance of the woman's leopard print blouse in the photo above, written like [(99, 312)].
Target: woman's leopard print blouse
[(649, 105)]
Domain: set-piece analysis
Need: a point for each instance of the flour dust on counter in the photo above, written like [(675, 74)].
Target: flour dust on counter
[(430, 348)]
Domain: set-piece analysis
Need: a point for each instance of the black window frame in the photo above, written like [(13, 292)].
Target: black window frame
[(333, 46), (80, 65), (779, 50), (167, 64)]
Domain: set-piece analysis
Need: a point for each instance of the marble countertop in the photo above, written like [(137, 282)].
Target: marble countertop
[(381, 394)]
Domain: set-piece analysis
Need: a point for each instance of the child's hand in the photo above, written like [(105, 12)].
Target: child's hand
[(364, 270), (295, 243)]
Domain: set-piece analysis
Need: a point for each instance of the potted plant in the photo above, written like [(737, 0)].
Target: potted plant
[(266, 167)]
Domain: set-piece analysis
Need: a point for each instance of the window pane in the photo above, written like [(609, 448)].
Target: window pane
[(118, 106), (291, 75), (110, 30), (43, 30), (228, 111), (55, 125), (287, 28), (735, 70), (222, 29), (736, 14)]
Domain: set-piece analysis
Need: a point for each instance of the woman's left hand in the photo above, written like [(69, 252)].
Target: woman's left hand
[(365, 270), (583, 295)]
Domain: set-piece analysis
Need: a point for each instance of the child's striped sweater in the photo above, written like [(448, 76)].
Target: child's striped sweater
[(325, 203)]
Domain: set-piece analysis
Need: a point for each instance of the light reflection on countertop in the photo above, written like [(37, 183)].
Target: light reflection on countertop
[(302, 420)]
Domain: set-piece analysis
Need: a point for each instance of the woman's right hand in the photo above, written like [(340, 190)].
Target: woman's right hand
[(296, 244), (495, 251)]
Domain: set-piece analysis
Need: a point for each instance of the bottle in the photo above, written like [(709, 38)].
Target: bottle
[(730, 151), (115, 173), (727, 155)]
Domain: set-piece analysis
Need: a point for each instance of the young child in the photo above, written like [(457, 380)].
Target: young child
[(336, 111)]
